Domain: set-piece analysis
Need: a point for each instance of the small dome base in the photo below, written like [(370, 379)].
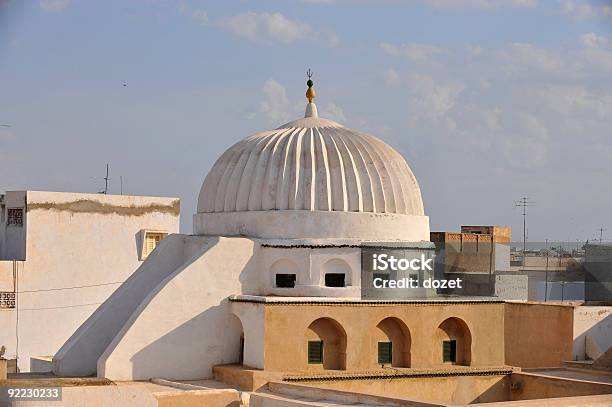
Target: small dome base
[(300, 224)]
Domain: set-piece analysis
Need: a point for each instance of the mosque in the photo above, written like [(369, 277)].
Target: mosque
[(270, 290)]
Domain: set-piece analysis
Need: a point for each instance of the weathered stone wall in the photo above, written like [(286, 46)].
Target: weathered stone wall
[(538, 335)]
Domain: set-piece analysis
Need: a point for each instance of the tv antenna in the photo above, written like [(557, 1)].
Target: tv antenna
[(106, 179), (524, 202)]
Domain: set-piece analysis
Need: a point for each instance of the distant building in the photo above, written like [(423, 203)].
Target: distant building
[(474, 255), (62, 254), (598, 272), (555, 273)]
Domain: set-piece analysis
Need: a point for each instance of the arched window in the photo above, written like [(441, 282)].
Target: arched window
[(326, 344), (454, 343), (393, 343)]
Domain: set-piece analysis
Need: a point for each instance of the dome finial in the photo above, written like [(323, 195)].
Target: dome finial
[(310, 93), (311, 108)]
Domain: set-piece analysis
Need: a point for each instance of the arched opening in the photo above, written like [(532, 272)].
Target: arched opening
[(453, 343), (326, 345), (336, 273), (235, 340), (393, 343)]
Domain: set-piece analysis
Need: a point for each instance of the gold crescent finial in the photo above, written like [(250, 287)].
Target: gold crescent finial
[(310, 93)]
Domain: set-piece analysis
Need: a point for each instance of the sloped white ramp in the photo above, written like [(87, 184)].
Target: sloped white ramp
[(111, 321), (184, 326)]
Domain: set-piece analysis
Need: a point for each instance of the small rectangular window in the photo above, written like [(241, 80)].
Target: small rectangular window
[(334, 280), (285, 280), (14, 216), (385, 353), (449, 351), (315, 352), (151, 241)]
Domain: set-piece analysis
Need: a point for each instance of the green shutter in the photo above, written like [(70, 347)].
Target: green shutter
[(315, 352), (385, 353), (449, 351)]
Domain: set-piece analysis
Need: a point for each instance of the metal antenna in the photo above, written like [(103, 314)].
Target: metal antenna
[(106, 179), (524, 203)]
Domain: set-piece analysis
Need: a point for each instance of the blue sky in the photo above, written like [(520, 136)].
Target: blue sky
[(487, 100)]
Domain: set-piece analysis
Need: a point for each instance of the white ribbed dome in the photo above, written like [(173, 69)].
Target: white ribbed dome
[(311, 164)]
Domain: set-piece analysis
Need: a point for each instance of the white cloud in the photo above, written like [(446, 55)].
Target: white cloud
[(391, 77), (583, 9), (536, 116), (276, 105), (474, 50), (332, 40), (413, 51), (279, 108), (578, 9), (53, 6), (593, 40), (431, 99), (526, 145), (486, 4), (333, 112), (484, 84), (598, 51), (530, 56), (573, 102), (600, 58), (199, 15), (269, 28)]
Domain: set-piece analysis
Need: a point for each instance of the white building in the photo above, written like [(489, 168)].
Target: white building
[(62, 255), (282, 212)]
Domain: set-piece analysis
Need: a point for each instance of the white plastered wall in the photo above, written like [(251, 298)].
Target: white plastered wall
[(252, 319), (184, 326), (309, 266), (79, 249), (300, 224), (79, 355), (595, 322)]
